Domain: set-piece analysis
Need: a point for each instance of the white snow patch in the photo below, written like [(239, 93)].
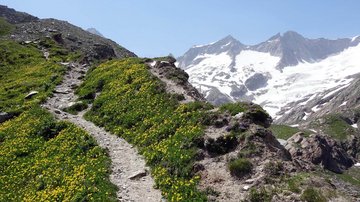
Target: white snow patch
[(306, 116), (354, 38), (343, 104), (246, 187), (316, 108), (354, 125), (357, 164), (294, 83), (226, 45), (295, 125), (282, 141), (203, 45), (336, 90)]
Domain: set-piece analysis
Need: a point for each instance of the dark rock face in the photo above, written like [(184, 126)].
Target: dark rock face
[(15, 17), (256, 81), (4, 116), (103, 51), (265, 137), (318, 149), (220, 145), (238, 92)]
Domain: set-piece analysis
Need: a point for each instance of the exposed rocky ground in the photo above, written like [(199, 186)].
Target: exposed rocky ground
[(129, 172), (175, 79)]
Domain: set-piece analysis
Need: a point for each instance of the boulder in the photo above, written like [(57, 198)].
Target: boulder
[(266, 137), (138, 174), (4, 116), (319, 150)]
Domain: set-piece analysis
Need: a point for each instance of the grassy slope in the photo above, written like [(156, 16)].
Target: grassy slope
[(133, 104), (23, 69), (337, 128), (41, 159), (45, 160), (285, 132)]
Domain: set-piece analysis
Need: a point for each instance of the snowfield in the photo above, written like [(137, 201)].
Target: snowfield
[(301, 82)]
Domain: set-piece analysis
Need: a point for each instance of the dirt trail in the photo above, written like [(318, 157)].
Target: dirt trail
[(129, 172)]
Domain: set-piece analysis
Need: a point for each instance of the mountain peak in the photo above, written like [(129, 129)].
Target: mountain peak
[(94, 31), (276, 36), (228, 39), (291, 35)]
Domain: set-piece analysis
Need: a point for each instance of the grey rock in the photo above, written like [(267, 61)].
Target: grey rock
[(31, 94), (15, 17), (138, 174), (256, 81), (319, 150)]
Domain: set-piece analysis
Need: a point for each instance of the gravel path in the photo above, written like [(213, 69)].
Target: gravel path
[(129, 172)]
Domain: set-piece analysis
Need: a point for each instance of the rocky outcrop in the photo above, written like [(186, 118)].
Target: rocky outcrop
[(318, 150), (176, 79), (15, 17)]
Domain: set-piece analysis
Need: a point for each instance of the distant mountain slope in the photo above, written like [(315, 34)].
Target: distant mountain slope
[(94, 31), (31, 29), (283, 69)]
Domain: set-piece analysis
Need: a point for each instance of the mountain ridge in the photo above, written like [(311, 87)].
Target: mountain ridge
[(248, 73)]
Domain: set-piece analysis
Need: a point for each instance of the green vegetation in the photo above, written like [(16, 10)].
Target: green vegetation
[(337, 127), (312, 195), (259, 195), (285, 132), (352, 176), (240, 167), (134, 105), (295, 182), (23, 68), (41, 159), (274, 168), (45, 160), (75, 108), (248, 151), (234, 108), (5, 27)]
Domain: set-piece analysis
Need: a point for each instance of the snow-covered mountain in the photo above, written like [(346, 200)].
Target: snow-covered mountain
[(284, 69)]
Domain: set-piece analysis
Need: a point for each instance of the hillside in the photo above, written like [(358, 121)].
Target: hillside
[(84, 119)]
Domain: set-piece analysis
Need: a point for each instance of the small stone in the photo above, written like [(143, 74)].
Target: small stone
[(249, 181), (246, 187), (138, 174), (31, 94)]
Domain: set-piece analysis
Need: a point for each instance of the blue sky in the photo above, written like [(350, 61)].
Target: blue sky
[(159, 27)]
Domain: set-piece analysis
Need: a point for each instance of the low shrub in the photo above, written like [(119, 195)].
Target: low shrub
[(312, 195), (240, 167), (260, 195)]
